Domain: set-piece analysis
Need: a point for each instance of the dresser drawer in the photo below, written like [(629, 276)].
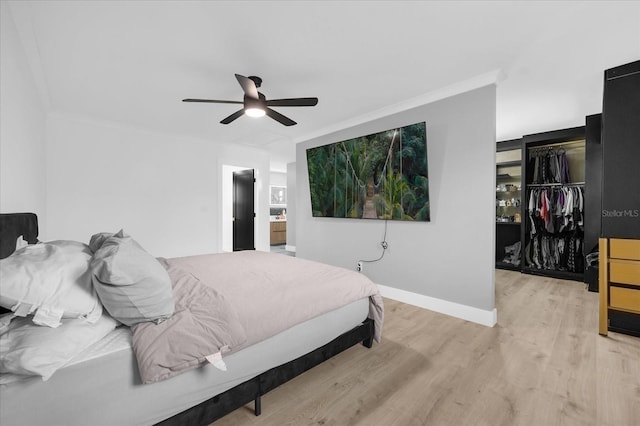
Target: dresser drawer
[(624, 298), (279, 226), (624, 249), (624, 272)]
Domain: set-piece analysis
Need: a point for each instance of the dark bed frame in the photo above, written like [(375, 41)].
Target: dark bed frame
[(13, 225), (26, 224), (253, 389)]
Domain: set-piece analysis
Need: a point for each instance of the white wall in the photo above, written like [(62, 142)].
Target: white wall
[(278, 178), (22, 128), (164, 190), (449, 259), (291, 207)]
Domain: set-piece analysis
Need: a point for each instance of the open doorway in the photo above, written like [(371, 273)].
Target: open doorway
[(279, 203)]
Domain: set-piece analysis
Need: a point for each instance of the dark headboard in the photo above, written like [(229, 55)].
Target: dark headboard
[(12, 225)]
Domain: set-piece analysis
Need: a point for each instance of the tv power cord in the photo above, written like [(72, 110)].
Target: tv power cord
[(384, 244)]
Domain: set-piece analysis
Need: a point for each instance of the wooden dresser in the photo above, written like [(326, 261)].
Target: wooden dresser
[(619, 284)]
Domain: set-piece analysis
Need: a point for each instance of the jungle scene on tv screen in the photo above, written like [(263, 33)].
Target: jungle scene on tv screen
[(378, 176)]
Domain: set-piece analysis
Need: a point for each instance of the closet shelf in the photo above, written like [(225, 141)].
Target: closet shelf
[(555, 184), (553, 273), (505, 176), (508, 266), (509, 163), (577, 143)]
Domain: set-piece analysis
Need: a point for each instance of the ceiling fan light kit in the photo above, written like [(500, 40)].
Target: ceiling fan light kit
[(256, 105), (255, 112)]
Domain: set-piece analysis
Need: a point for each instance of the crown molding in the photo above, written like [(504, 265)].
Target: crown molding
[(482, 80)]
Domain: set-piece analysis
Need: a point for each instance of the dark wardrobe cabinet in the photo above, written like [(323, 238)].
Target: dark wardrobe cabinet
[(621, 152), (612, 168), (620, 194)]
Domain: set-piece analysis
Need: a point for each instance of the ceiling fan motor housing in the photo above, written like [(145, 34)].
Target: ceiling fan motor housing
[(250, 102), (257, 80)]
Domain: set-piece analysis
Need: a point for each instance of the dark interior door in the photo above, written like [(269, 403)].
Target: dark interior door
[(243, 210)]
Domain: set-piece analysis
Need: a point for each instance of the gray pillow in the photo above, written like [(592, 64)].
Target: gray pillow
[(131, 284)]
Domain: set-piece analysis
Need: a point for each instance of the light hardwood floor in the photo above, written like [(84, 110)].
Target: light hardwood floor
[(542, 364)]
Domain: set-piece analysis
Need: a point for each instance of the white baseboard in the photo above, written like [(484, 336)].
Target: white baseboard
[(457, 310), (290, 248)]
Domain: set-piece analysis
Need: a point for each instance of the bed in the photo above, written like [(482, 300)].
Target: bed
[(103, 383)]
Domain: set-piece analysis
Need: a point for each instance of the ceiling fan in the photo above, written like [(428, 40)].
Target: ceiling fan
[(255, 103)]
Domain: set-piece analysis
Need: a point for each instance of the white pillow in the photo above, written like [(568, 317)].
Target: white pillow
[(52, 280), (28, 349)]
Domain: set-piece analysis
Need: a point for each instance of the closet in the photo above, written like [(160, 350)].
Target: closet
[(552, 233), (508, 204)]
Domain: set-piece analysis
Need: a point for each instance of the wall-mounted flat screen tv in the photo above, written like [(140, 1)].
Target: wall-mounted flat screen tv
[(378, 176)]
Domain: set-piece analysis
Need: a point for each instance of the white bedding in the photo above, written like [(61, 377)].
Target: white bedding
[(27, 349), (101, 385), (118, 340)]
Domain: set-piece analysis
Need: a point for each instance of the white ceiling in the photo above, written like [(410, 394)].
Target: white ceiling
[(133, 61)]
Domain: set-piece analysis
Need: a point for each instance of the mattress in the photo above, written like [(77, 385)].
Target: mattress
[(102, 386)]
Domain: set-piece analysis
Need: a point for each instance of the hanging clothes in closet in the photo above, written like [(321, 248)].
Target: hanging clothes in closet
[(549, 166), (556, 215)]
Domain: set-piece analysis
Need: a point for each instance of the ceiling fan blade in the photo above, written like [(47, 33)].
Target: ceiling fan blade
[(248, 85), (279, 117), (212, 101), (232, 117), (293, 102)]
